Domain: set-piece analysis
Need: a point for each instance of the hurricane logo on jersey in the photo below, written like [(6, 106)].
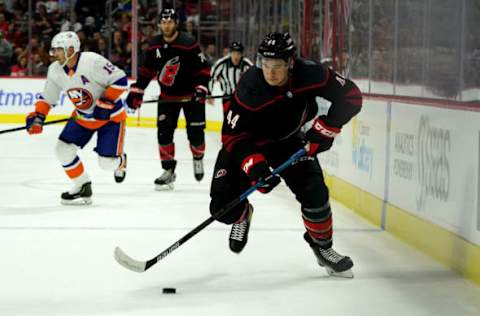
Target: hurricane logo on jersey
[(81, 98), (221, 173), (169, 71)]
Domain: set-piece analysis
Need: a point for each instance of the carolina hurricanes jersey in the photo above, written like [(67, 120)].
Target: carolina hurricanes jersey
[(92, 77), (180, 66), (260, 114)]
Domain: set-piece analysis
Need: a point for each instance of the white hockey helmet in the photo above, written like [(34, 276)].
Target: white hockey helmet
[(65, 40)]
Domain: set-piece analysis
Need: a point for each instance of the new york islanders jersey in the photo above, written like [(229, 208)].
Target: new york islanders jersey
[(92, 77)]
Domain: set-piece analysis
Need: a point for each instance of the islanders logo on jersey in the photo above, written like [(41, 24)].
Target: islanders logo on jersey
[(81, 98)]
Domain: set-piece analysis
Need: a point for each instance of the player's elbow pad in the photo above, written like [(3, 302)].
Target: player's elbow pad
[(353, 96)]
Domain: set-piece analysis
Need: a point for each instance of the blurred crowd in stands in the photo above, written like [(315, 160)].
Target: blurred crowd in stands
[(87, 19)]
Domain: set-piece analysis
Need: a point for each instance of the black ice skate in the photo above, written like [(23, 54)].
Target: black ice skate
[(198, 168), (166, 181), (335, 264), (239, 233), (121, 171), (82, 197)]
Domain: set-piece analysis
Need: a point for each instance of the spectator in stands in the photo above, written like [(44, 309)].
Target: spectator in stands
[(6, 52), (39, 67), (20, 69), (71, 24), (52, 6), (3, 9), (207, 9), (4, 25), (181, 11), (102, 47), (148, 31), (210, 53), (126, 25), (17, 52), (118, 49), (89, 26), (42, 23), (85, 8), (152, 13), (193, 15), (17, 31), (190, 29), (88, 43), (37, 47)]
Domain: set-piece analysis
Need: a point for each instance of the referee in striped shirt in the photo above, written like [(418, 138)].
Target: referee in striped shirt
[(228, 69)]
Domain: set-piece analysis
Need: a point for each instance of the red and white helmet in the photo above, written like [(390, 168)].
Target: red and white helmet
[(65, 40)]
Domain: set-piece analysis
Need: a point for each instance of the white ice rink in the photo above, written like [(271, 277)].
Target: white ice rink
[(58, 260)]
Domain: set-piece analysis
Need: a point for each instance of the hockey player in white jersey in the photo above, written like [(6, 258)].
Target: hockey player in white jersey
[(94, 86)]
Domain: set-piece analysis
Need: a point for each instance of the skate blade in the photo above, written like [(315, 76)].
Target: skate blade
[(164, 187), (81, 201), (199, 176), (347, 274)]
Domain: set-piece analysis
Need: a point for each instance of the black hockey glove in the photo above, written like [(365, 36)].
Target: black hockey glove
[(320, 137), (200, 94), (103, 108), (134, 97), (257, 169)]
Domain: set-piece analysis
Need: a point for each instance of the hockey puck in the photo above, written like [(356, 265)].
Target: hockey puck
[(169, 290)]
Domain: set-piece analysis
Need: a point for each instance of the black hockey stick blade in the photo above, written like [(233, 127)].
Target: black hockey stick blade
[(25, 127), (141, 266), (185, 100)]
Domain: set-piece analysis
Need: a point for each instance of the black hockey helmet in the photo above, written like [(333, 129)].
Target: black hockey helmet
[(277, 45), (168, 14), (236, 47)]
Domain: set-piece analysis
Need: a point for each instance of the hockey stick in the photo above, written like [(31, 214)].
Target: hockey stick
[(185, 100), (141, 266), (25, 127)]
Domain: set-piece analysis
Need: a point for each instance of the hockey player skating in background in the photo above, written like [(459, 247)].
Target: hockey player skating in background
[(94, 86), (228, 70), (182, 72), (262, 129)]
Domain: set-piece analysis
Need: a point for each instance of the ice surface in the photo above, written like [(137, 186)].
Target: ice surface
[(58, 260)]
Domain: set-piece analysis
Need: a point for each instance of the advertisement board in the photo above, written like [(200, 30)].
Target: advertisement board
[(434, 166), (17, 96), (358, 153)]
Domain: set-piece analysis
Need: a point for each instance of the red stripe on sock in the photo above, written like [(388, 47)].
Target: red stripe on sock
[(319, 227), (167, 152), (322, 236), (197, 151)]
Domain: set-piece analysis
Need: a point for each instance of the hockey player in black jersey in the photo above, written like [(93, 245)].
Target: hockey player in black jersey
[(263, 126), (178, 64)]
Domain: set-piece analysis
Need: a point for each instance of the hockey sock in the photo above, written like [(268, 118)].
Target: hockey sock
[(244, 214), (167, 152), (198, 151), (318, 223)]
